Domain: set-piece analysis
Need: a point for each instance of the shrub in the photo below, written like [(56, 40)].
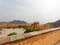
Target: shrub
[(29, 30), (21, 26), (0, 28), (12, 33)]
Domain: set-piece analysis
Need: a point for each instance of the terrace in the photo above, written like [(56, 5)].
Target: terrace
[(4, 38)]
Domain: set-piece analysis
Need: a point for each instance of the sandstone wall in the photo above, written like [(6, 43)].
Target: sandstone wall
[(50, 38)]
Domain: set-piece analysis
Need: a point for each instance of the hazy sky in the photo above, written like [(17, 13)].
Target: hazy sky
[(30, 10)]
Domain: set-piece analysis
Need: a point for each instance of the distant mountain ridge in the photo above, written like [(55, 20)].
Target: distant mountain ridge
[(14, 22), (55, 24)]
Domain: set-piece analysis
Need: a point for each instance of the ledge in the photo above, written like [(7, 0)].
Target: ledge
[(6, 39)]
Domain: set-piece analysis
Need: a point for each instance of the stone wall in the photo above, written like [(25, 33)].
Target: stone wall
[(50, 38)]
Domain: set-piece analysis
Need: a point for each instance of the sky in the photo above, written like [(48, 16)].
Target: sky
[(43, 11)]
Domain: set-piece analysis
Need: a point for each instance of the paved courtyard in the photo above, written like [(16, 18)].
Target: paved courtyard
[(5, 32)]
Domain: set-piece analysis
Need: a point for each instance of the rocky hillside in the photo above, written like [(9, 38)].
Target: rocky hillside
[(55, 24), (14, 22)]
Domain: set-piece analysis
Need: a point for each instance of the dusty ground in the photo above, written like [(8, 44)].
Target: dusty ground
[(51, 38)]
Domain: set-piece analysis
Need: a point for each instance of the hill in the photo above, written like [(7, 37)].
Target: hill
[(14, 22), (55, 24)]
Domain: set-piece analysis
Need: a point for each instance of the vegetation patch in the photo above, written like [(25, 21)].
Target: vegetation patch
[(12, 33), (29, 30), (21, 26)]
